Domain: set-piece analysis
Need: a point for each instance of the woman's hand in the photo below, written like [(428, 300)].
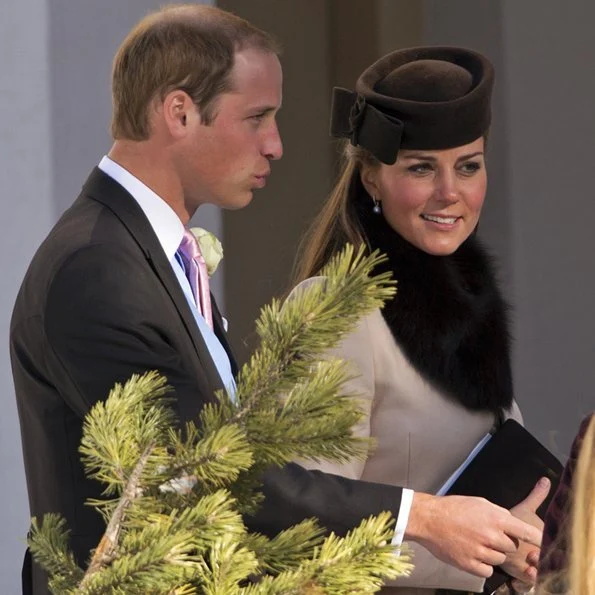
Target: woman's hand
[(522, 564)]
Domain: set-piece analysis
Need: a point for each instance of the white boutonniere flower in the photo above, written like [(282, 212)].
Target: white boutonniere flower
[(210, 247)]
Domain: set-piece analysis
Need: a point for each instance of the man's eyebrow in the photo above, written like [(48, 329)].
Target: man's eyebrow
[(263, 109)]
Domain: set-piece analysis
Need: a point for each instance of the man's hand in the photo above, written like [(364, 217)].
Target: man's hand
[(522, 564), (469, 533)]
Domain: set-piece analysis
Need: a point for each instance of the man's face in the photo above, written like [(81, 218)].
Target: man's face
[(224, 162)]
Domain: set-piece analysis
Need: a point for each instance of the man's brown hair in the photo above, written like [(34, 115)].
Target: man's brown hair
[(189, 47)]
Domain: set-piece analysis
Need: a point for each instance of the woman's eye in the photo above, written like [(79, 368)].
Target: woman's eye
[(420, 168), (470, 167)]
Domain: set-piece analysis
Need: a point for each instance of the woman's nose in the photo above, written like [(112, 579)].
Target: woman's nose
[(447, 188)]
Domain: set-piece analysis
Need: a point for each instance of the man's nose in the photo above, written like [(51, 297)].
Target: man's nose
[(273, 147)]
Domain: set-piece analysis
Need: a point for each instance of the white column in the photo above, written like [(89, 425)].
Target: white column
[(25, 183)]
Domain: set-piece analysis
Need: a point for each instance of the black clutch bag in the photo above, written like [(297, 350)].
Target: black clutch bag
[(505, 471), (507, 468)]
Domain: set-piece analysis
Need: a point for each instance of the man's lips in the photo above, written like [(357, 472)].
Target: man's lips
[(261, 179)]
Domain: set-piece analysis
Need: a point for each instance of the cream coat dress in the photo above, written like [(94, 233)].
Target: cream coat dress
[(421, 438)]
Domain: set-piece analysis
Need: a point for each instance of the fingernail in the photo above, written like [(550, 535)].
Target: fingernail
[(543, 482)]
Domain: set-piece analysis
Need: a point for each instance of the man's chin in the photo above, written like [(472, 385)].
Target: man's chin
[(238, 202)]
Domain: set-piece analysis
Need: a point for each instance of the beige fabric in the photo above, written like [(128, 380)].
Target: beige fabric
[(421, 437)]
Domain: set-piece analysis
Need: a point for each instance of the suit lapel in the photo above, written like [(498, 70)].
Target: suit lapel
[(107, 191), (222, 336)]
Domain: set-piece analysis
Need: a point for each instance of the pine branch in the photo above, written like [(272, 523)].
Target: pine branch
[(227, 565), (211, 518), (312, 421), (168, 550), (118, 430), (105, 552), (48, 542), (293, 339), (121, 439), (288, 549), (214, 456), (310, 324), (360, 562), (364, 557)]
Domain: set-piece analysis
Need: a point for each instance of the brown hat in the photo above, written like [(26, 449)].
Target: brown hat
[(419, 98)]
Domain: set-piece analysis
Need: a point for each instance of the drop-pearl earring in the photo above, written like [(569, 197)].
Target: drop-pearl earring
[(377, 209)]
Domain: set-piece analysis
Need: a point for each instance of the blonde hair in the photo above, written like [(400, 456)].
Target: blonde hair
[(579, 577), (189, 47), (582, 532)]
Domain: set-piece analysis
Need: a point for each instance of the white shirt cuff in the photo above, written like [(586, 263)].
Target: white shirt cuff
[(403, 517)]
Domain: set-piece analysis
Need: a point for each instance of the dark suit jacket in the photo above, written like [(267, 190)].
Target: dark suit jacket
[(553, 557), (100, 302)]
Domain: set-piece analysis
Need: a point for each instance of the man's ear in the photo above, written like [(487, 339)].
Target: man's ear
[(369, 179), (178, 109)]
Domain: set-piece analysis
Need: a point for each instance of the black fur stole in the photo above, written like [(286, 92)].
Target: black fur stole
[(448, 317)]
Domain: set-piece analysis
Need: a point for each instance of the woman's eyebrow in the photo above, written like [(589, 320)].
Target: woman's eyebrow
[(424, 157)]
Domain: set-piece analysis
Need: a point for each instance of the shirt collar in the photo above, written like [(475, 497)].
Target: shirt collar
[(165, 223)]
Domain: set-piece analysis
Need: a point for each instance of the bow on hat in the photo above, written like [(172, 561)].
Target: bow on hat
[(424, 98), (365, 125)]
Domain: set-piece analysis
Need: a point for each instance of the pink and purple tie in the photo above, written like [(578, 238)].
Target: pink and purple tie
[(196, 271)]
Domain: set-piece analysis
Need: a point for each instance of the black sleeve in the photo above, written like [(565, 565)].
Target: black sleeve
[(293, 494)]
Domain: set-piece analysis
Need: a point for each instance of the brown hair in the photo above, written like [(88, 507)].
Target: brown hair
[(189, 47), (337, 223)]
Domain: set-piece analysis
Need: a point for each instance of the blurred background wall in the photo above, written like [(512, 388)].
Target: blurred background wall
[(55, 59)]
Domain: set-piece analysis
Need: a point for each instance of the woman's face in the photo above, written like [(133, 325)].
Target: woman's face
[(431, 198)]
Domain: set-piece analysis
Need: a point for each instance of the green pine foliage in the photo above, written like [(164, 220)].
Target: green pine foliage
[(174, 497)]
